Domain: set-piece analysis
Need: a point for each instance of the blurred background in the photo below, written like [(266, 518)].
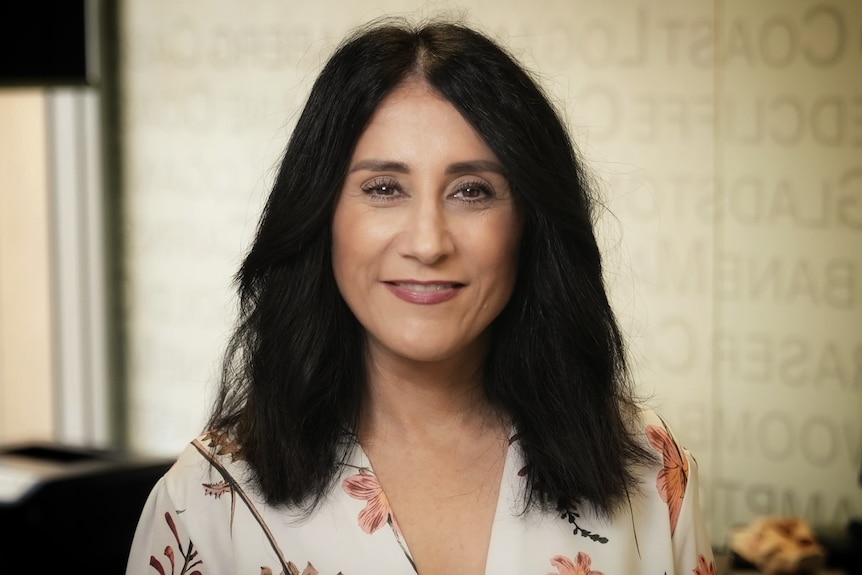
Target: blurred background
[(138, 144)]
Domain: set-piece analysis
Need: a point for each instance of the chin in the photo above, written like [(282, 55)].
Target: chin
[(435, 352), (424, 355)]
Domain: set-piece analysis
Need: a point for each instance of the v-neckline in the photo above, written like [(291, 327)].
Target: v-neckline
[(506, 496)]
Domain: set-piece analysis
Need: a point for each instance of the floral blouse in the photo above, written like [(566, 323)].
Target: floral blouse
[(204, 518)]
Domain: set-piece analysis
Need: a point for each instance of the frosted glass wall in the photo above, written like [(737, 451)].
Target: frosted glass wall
[(787, 281)]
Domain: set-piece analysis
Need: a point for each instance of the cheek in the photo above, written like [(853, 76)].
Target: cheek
[(508, 267), (358, 241), (502, 244), (495, 255)]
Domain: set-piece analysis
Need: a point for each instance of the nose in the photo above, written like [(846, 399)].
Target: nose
[(427, 236)]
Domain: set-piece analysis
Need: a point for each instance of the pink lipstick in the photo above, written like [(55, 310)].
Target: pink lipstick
[(424, 293)]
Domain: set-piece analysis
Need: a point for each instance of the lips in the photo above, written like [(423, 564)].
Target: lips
[(424, 293), (425, 287)]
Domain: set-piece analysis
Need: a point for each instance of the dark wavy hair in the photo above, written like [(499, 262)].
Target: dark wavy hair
[(294, 369)]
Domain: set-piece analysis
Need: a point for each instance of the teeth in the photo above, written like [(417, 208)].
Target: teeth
[(425, 287)]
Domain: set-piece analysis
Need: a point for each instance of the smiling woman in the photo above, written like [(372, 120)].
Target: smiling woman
[(426, 373)]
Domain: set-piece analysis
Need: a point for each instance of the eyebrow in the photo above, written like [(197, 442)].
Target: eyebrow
[(380, 166), (476, 166), (456, 168)]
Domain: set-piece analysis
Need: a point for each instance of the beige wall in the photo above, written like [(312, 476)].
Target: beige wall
[(26, 357)]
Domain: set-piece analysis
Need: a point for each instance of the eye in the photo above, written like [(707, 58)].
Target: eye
[(382, 188), (473, 192)]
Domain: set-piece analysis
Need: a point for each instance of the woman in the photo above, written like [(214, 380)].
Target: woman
[(427, 375)]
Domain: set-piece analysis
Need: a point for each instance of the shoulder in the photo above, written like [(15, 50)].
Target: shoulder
[(649, 427), (210, 462), (674, 474), (673, 469)]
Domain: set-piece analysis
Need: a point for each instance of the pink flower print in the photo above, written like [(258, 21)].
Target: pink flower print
[(673, 478), (377, 512), (580, 566), (704, 567)]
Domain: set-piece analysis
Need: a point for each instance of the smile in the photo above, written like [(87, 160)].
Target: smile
[(424, 293)]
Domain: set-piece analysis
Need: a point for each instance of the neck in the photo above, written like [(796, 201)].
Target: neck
[(417, 400)]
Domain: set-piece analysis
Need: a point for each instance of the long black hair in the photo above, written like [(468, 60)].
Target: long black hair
[(295, 367)]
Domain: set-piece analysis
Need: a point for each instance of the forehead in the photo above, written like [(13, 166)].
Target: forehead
[(415, 119)]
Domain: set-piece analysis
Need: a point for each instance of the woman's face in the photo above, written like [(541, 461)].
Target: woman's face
[(425, 232)]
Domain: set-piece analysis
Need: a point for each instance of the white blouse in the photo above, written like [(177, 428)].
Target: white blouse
[(203, 517)]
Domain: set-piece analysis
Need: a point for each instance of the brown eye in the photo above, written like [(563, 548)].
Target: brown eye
[(382, 188), (473, 192)]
